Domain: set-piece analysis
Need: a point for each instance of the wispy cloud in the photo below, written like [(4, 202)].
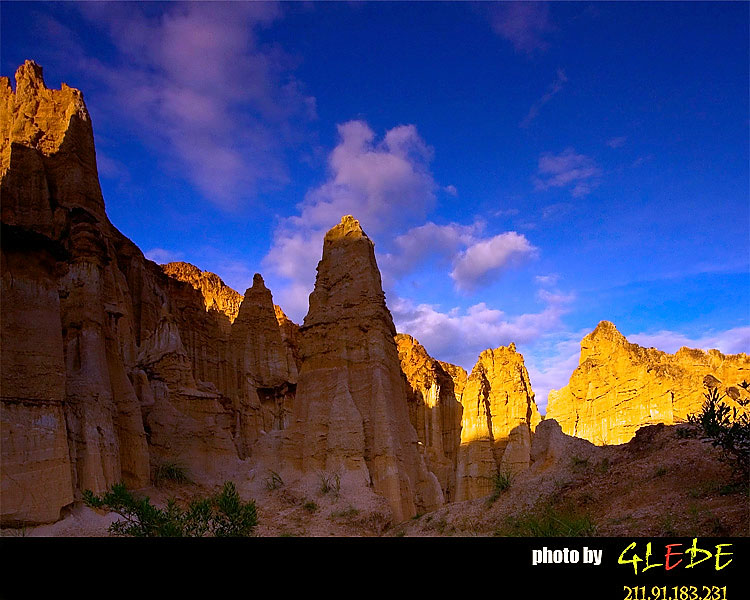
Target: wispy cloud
[(555, 88), (163, 256), (730, 341), (523, 24), (546, 280), (194, 83), (569, 169), (617, 142)]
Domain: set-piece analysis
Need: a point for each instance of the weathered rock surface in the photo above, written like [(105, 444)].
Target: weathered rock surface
[(63, 322), (434, 411), (109, 365), (216, 294), (266, 374), (499, 417), (351, 414), (458, 374), (619, 387)]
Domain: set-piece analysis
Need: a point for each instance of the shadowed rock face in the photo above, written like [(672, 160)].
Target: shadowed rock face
[(499, 417), (351, 410), (216, 294), (434, 410), (619, 387), (78, 425), (108, 364)]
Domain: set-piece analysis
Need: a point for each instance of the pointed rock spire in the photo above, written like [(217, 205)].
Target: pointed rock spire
[(350, 370)]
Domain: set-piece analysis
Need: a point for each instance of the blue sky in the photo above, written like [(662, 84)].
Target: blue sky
[(524, 169)]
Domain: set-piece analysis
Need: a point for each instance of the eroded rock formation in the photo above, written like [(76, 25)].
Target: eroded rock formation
[(67, 402), (434, 410), (351, 413), (619, 387), (499, 417), (112, 365), (109, 365)]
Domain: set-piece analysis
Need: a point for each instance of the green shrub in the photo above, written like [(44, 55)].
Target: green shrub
[(345, 514), (579, 463), (171, 471), (500, 483), (726, 429), (548, 521), (310, 506), (221, 515)]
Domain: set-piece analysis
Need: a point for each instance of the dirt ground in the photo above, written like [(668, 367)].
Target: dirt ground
[(661, 483)]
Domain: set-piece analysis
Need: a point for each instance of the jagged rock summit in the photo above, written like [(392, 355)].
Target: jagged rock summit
[(619, 387), (216, 294)]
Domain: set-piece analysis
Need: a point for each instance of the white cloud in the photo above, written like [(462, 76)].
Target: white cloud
[(385, 184), (568, 169), (484, 258), (428, 240), (474, 259), (451, 189), (163, 256), (382, 184), (459, 336)]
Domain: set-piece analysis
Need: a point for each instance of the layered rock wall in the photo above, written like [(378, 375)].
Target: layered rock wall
[(109, 365), (434, 411), (619, 387), (499, 417)]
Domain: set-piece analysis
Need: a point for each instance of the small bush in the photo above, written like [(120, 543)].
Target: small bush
[(274, 481), (330, 483), (684, 433), (345, 514), (310, 506), (500, 483), (171, 471), (548, 521), (579, 463), (222, 515), (726, 429)]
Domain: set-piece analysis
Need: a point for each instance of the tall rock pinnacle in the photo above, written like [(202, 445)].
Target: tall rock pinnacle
[(351, 412), (499, 417)]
